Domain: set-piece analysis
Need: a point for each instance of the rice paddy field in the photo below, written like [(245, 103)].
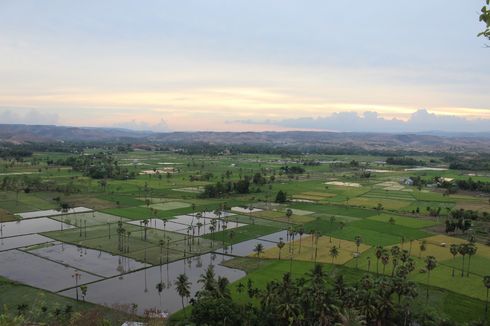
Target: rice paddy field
[(331, 205)]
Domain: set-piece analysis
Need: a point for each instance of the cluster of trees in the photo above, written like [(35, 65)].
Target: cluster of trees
[(319, 298), (461, 219), (31, 183), (472, 185), (219, 189), (478, 162), (292, 169), (241, 186), (410, 161), (17, 154), (98, 166)]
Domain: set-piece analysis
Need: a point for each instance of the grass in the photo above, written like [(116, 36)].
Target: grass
[(411, 222), (243, 233), (281, 217), (15, 294), (471, 286), (308, 247), (369, 237), (89, 219), (377, 233), (168, 206), (98, 238), (389, 204), (335, 210)]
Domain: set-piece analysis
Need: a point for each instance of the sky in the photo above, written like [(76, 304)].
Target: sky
[(251, 65)]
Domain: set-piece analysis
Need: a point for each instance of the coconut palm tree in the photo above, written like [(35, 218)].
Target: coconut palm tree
[(453, 249), (430, 264), (351, 317), (486, 283), (280, 245), (259, 248), (471, 250), (183, 286), (334, 252)]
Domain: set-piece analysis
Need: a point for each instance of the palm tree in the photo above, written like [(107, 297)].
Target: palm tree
[(422, 247), (259, 248), (182, 285), (145, 222), (211, 229), (430, 264), (486, 283), (463, 250), (385, 259), (334, 252), (351, 317), (471, 250), (128, 234), (280, 245), (395, 253), (379, 253), (164, 220), (301, 231), (161, 243), (231, 236), (454, 251), (289, 213), (160, 286), (358, 241), (224, 227)]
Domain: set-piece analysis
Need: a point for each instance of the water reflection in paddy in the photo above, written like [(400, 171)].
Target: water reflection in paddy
[(140, 287), (93, 261), (37, 225), (39, 272), (22, 241), (245, 248)]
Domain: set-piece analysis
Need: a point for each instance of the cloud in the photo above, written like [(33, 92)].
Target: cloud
[(160, 126), (31, 117), (371, 121)]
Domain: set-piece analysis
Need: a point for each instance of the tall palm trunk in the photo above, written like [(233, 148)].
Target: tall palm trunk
[(462, 269)]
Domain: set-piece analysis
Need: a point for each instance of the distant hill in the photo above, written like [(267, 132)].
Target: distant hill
[(370, 141), (17, 133)]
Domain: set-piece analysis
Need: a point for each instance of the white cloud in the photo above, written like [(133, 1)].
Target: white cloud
[(371, 121), (31, 117), (160, 126)]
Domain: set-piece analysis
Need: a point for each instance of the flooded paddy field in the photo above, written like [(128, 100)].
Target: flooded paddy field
[(53, 212), (29, 226), (94, 261), (25, 268), (140, 287), (89, 219), (22, 241)]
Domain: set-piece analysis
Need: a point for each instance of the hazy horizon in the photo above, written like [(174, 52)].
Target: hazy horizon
[(245, 66)]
